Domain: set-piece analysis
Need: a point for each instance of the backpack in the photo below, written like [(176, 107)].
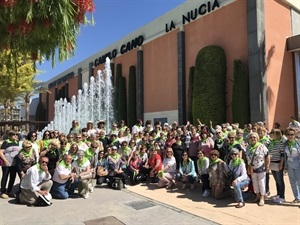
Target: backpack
[(117, 183)]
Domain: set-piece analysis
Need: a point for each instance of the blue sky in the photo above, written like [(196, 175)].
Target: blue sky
[(114, 19)]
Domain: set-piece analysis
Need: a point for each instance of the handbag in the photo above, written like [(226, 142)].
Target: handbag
[(101, 172)]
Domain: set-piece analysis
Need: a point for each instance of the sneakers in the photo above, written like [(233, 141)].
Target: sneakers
[(275, 197), (278, 200), (206, 193), (183, 186), (4, 196), (87, 195), (296, 201), (91, 188)]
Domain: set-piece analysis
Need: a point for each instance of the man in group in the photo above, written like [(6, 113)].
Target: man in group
[(64, 181), (37, 181)]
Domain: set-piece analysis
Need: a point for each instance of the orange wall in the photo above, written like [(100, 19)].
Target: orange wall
[(226, 28), (280, 64)]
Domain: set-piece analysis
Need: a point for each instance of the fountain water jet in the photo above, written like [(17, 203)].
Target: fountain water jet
[(93, 103)]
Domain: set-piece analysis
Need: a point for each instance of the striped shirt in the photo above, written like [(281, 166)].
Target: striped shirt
[(276, 151)]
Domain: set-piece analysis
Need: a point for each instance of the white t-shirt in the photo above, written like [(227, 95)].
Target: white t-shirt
[(61, 170), (171, 162)]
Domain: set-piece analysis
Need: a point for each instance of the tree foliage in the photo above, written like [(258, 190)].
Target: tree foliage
[(209, 102), (43, 27), (240, 94)]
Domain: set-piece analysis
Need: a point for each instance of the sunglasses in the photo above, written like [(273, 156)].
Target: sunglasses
[(234, 154), (184, 154), (45, 162), (290, 134), (28, 146), (13, 134), (213, 154)]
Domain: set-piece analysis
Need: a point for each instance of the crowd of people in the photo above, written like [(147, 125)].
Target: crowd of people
[(228, 161)]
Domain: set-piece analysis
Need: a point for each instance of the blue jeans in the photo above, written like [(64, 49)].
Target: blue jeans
[(62, 191), (189, 179), (294, 176), (280, 187), (238, 194)]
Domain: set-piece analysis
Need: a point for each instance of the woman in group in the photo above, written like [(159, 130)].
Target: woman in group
[(73, 150), (155, 164), (239, 175), (136, 169), (178, 148), (258, 160), (276, 151), (203, 165), (63, 149), (102, 168), (26, 158), (206, 143), (82, 168), (32, 136), (9, 149), (187, 172), (115, 167), (292, 163), (216, 174), (194, 145), (45, 141), (52, 152), (167, 173)]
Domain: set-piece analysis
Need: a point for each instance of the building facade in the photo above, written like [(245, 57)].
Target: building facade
[(263, 34)]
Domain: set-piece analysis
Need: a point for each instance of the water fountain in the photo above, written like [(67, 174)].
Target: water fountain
[(93, 103)]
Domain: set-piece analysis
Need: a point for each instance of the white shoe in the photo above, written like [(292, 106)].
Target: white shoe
[(91, 188), (86, 195), (192, 186), (279, 200), (275, 197), (183, 186), (206, 193)]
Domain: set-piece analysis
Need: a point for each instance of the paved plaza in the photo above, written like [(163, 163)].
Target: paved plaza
[(145, 204)]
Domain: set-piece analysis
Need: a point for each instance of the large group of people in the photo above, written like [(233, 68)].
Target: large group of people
[(226, 159)]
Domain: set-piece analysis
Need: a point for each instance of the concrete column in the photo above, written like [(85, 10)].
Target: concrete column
[(140, 85), (256, 61), (79, 80), (181, 77)]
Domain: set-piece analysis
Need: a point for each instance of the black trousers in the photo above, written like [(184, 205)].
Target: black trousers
[(11, 172)]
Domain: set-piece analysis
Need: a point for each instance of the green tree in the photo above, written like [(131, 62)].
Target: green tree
[(209, 102), (240, 94)]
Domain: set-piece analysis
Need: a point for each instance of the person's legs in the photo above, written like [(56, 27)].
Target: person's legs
[(280, 186), (254, 178), (12, 178), (261, 179), (191, 179), (294, 181), (238, 195), (59, 191), (46, 185), (267, 179), (72, 186), (205, 182), (5, 173), (28, 197)]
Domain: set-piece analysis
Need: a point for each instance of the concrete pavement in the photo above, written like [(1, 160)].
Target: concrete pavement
[(146, 204)]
